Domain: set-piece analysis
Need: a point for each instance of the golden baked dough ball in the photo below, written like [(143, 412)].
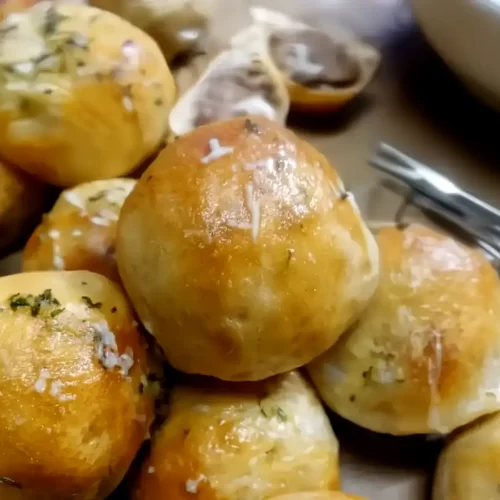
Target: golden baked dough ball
[(177, 25), (22, 199), (241, 241), (248, 441), (469, 466), (424, 356), (73, 374), (85, 95), (318, 495), (79, 232)]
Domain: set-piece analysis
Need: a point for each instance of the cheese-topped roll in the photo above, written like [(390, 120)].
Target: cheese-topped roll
[(22, 199), (74, 388), (424, 356), (247, 441), (79, 232), (469, 466), (241, 240), (85, 95)]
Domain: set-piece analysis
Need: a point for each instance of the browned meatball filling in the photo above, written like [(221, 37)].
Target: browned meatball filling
[(313, 59), (237, 92)]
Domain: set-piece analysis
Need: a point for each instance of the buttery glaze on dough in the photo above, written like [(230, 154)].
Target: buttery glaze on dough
[(79, 232), (72, 363), (248, 441), (241, 240), (469, 466), (85, 95), (425, 356)]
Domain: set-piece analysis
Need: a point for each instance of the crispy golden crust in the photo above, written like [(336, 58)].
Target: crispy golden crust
[(318, 495), (85, 94), (71, 363), (250, 440), (469, 467), (79, 232), (230, 254), (17, 215), (423, 358)]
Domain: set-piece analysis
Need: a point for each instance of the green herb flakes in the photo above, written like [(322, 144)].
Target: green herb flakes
[(90, 304)]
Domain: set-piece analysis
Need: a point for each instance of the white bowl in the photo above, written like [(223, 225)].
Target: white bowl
[(466, 34)]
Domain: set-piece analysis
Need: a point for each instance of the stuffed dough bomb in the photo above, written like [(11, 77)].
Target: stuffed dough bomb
[(18, 215), (423, 358), (72, 362), (248, 441), (241, 240), (469, 466), (79, 232), (85, 95), (323, 71)]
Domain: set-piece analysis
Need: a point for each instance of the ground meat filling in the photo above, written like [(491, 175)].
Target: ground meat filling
[(313, 59), (237, 92)]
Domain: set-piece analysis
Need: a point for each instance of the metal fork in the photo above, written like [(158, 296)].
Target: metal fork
[(435, 193)]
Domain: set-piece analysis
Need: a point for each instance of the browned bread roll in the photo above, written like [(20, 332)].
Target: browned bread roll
[(22, 200), (85, 95), (73, 378), (241, 240), (469, 466), (249, 440), (424, 356), (79, 232)]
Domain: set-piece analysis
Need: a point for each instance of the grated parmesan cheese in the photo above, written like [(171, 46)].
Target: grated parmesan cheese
[(216, 151), (107, 350), (151, 470), (76, 232), (57, 258), (26, 68), (108, 214), (72, 198), (132, 53), (192, 484), (128, 103), (300, 60), (100, 221), (254, 207), (55, 391), (41, 383), (54, 234)]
